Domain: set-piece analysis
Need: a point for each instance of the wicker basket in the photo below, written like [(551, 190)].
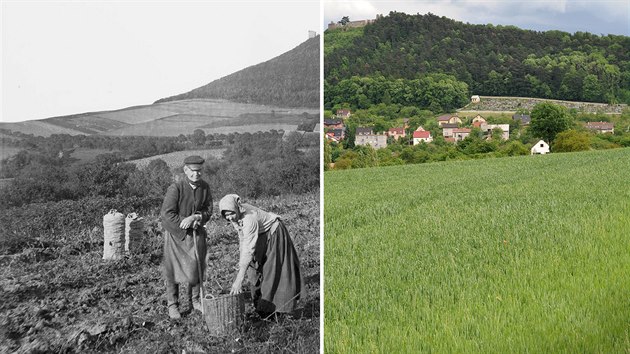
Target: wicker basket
[(223, 313)]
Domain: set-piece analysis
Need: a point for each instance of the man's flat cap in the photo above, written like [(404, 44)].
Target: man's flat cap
[(194, 160)]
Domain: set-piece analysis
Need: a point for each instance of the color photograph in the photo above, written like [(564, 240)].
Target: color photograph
[(475, 185)]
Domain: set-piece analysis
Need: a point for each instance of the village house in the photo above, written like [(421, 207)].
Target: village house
[(422, 135), (336, 134), (396, 132), (523, 118), (477, 121), (479, 118), (343, 113), (487, 129), (475, 99), (540, 148), (363, 131), (461, 133), (448, 119), (447, 129), (333, 124), (601, 127), (376, 141)]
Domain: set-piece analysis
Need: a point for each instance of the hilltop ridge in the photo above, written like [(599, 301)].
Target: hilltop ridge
[(289, 80)]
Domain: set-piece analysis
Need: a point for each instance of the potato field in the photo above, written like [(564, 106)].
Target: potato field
[(59, 296)]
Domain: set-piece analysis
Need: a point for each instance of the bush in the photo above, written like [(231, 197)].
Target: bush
[(572, 140)]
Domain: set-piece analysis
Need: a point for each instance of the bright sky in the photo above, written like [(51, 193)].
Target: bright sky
[(595, 16), (68, 57)]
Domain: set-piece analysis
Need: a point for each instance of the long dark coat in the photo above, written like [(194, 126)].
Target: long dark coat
[(180, 260)]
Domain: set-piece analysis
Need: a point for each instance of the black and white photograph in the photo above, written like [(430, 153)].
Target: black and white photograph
[(160, 171)]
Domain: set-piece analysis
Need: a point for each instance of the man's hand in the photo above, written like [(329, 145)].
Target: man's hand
[(188, 222)]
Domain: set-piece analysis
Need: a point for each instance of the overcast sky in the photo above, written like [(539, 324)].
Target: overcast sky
[(68, 57), (597, 17)]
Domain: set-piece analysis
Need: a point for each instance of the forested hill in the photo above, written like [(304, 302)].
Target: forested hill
[(491, 60), (288, 80)]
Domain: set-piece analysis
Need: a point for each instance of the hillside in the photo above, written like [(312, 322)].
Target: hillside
[(507, 255), (490, 60), (289, 80), (286, 86)]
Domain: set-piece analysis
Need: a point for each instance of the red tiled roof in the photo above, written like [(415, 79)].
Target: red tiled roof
[(397, 130), (422, 134)]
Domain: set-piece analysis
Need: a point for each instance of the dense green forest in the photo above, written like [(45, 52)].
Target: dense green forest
[(436, 63), (289, 80)]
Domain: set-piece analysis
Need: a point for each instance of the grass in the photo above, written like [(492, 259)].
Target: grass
[(525, 254)]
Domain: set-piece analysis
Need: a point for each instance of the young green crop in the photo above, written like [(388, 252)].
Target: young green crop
[(524, 254)]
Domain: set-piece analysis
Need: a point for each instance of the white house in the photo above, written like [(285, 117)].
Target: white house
[(541, 148), (422, 135), (475, 99)]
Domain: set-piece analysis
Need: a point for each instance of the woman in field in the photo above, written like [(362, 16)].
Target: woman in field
[(267, 256)]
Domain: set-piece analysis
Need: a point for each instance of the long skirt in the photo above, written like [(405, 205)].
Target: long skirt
[(276, 280), (180, 258)]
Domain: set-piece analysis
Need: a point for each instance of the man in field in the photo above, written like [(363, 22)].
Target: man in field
[(186, 208)]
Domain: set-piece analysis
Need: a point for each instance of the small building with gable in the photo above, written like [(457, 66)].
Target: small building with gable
[(540, 148), (448, 119)]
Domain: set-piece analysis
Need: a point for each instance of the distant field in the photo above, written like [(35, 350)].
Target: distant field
[(87, 124), (169, 119), (512, 255), (175, 159), (39, 128), (138, 115)]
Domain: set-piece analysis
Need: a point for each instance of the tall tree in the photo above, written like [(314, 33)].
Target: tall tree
[(548, 120)]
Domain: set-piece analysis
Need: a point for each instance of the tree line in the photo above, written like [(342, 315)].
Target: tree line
[(253, 165)]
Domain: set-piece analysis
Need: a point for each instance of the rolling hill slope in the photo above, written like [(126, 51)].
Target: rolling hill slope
[(287, 84)]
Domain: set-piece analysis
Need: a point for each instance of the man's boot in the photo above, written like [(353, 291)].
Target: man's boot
[(172, 300), (194, 298), (173, 312)]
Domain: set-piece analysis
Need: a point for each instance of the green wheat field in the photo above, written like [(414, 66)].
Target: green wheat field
[(513, 255)]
